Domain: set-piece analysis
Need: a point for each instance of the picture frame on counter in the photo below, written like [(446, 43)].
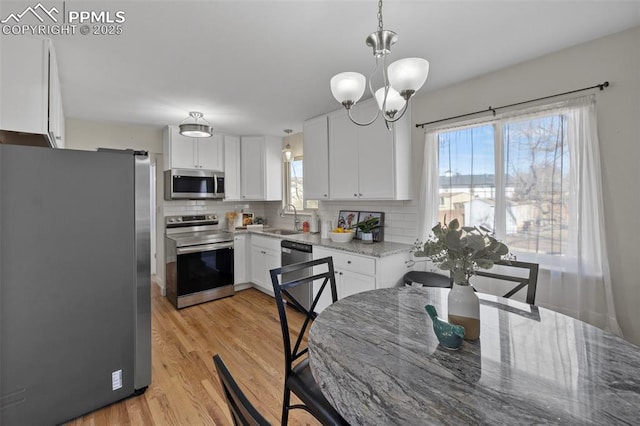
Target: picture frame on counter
[(347, 219), (378, 233)]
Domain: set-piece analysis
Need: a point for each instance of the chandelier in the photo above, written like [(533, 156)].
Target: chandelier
[(287, 153), (192, 128), (402, 79)]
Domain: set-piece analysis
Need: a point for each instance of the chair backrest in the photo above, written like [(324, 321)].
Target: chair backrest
[(427, 279), (320, 272), (242, 412), (530, 281)]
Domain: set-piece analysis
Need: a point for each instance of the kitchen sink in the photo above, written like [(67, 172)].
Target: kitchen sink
[(282, 231)]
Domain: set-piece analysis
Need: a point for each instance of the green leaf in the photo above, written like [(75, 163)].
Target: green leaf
[(484, 263), (452, 239)]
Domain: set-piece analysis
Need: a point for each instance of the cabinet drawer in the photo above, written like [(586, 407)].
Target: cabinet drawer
[(268, 243), (355, 263)]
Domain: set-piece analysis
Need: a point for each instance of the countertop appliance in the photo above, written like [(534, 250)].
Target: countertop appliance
[(295, 252), (181, 184), (75, 282), (198, 260)]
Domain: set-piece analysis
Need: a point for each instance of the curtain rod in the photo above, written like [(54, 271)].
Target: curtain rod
[(493, 110)]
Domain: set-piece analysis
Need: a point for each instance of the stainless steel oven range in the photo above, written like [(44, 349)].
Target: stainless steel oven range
[(199, 260)]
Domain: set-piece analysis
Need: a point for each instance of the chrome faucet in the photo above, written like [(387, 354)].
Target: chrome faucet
[(296, 221)]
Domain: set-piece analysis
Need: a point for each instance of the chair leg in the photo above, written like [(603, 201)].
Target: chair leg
[(285, 406)]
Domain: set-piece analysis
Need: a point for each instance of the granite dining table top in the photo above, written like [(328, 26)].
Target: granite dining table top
[(378, 362)]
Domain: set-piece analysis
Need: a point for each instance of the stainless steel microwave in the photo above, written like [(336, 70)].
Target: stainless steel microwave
[(184, 184)]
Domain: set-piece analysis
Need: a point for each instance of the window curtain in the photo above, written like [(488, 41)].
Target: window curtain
[(428, 198), (579, 283)]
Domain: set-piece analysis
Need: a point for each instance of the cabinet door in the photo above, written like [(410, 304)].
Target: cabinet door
[(252, 168), (182, 150), (325, 298), (210, 153), (232, 168), (240, 259), (349, 283), (258, 266), (316, 154), (56, 117), (24, 78), (375, 157), (272, 261), (343, 157)]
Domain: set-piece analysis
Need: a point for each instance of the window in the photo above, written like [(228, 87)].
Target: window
[(510, 176), (293, 179), (293, 185)]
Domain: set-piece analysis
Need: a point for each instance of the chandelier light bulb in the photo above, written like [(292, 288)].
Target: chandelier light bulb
[(395, 102), (408, 74), (348, 87)]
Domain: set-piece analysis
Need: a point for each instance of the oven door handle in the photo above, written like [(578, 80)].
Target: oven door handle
[(203, 247)]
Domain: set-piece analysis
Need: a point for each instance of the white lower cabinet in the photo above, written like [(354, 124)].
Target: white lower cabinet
[(357, 273), (265, 256), (241, 259)]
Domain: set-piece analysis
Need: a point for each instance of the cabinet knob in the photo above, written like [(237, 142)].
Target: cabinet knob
[(349, 262), (359, 195), (325, 195), (340, 273), (355, 195)]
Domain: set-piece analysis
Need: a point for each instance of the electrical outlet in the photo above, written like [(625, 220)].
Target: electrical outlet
[(116, 380)]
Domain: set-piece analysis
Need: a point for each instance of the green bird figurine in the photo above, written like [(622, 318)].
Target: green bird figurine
[(449, 335)]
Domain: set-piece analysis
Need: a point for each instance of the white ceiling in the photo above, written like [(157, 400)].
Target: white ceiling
[(258, 67)]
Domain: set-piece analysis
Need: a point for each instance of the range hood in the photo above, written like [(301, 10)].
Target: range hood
[(28, 139)]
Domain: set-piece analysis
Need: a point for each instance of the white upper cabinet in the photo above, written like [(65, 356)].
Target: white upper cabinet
[(369, 162), (343, 157), (261, 168), (31, 100), (232, 176), (183, 152), (56, 114), (316, 154)]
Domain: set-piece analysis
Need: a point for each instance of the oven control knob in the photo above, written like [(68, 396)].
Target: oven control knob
[(178, 219), (171, 220)]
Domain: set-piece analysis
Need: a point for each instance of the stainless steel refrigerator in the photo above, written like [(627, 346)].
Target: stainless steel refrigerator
[(75, 313)]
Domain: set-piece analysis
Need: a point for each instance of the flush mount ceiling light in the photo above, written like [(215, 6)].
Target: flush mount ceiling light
[(287, 153), (192, 128), (402, 79)]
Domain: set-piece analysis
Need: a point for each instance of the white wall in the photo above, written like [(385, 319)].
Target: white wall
[(90, 135), (616, 59)]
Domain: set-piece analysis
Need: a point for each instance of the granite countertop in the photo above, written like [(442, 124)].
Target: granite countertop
[(378, 249), (377, 360)]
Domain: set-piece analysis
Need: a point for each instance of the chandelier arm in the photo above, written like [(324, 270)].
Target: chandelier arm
[(386, 86), (373, 71), (362, 124)]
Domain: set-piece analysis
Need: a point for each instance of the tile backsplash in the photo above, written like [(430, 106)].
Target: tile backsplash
[(400, 217)]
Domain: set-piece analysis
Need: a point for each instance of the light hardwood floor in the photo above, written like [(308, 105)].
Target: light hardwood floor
[(243, 329)]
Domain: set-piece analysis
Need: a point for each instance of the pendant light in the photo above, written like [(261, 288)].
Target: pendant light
[(192, 128), (287, 153), (402, 79)]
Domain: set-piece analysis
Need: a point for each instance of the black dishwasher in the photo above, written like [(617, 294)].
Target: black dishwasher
[(295, 252)]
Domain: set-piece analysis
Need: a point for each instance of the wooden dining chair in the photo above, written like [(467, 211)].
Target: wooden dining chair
[(297, 374), (242, 411), (530, 280)]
